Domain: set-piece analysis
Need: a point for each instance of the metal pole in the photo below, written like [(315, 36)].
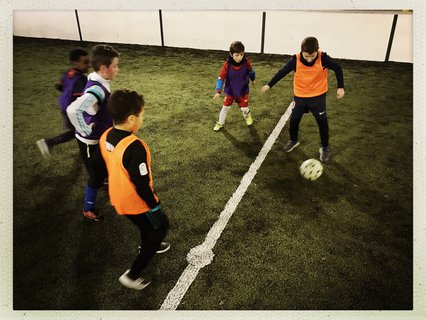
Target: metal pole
[(395, 19), (161, 28), (78, 25), (262, 44)]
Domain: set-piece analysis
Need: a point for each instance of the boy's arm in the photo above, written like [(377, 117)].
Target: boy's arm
[(135, 162), (252, 74), (286, 69), (88, 103), (60, 84), (222, 76), (329, 63)]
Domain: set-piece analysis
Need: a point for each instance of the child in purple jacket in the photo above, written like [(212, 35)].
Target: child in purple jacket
[(71, 85)]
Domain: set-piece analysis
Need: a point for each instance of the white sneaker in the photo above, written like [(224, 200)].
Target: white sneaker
[(137, 284), (44, 148)]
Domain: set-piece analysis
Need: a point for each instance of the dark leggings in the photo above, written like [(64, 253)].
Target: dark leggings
[(315, 105), (61, 138), (88, 152), (153, 230)]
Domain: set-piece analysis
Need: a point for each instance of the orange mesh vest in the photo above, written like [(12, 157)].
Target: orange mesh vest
[(122, 192), (310, 81)]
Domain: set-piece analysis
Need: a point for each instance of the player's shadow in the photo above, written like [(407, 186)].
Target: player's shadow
[(378, 204), (60, 184), (346, 185), (251, 146), (39, 229), (290, 184), (92, 262)]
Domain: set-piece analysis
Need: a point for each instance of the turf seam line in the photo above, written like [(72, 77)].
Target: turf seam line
[(202, 255)]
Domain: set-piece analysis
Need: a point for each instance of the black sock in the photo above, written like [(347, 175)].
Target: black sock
[(63, 137)]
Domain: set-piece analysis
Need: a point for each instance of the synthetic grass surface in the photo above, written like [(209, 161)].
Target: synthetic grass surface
[(344, 241)]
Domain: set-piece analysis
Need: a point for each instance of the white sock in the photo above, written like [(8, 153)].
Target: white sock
[(245, 111), (223, 113)]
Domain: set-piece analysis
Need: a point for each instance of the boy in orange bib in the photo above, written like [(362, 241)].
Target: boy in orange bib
[(130, 186), (310, 86)]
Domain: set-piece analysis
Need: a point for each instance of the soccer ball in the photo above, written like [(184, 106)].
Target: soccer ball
[(311, 169)]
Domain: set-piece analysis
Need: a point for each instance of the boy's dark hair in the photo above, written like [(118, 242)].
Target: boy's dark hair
[(75, 54), (236, 47), (124, 103), (102, 55), (310, 45)]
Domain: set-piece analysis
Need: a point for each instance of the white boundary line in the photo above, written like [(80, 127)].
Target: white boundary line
[(202, 255)]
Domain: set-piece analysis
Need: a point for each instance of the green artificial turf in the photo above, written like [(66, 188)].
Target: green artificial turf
[(342, 242)]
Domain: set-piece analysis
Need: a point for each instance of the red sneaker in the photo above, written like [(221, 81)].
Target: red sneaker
[(93, 216)]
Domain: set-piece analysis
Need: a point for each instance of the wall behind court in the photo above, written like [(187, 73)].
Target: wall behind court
[(343, 34)]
